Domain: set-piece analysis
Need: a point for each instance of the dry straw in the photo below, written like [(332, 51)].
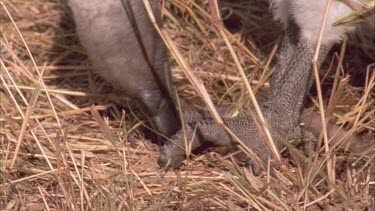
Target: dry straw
[(69, 142)]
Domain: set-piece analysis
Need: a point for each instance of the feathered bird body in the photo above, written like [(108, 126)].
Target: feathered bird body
[(308, 15), (126, 51), (137, 65)]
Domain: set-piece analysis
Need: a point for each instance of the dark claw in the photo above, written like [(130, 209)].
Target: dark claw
[(170, 156), (255, 168)]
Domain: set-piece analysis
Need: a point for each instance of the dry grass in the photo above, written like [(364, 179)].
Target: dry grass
[(65, 145)]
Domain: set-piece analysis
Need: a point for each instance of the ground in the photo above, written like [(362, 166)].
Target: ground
[(58, 154)]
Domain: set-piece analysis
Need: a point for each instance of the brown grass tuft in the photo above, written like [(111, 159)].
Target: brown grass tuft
[(67, 145)]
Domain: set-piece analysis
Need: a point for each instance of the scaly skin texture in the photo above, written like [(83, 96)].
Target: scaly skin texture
[(201, 125), (281, 109), (122, 44)]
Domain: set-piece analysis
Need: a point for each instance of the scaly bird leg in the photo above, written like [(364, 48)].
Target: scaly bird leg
[(281, 109)]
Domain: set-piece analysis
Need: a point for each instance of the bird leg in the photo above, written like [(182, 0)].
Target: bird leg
[(281, 110)]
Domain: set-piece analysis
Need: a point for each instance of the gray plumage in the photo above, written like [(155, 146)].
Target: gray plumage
[(136, 65)]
